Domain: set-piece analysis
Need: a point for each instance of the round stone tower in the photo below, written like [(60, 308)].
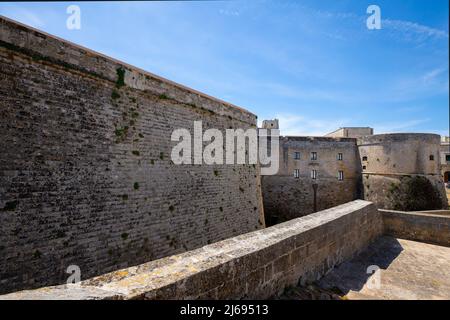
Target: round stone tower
[(401, 171)]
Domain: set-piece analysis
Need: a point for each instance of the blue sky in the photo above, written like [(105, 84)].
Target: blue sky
[(312, 64)]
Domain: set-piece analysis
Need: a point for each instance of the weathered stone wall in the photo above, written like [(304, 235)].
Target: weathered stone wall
[(401, 153), (445, 165), (287, 197), (405, 192), (255, 265), (395, 166), (418, 226), (399, 171), (85, 172)]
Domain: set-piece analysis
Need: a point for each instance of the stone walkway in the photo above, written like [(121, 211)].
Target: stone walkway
[(407, 270)]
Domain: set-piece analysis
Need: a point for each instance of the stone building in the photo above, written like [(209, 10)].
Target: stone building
[(270, 124), (86, 177), (402, 171), (445, 158), (395, 171), (315, 173)]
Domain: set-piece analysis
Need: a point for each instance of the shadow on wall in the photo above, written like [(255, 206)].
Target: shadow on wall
[(352, 275), (415, 194)]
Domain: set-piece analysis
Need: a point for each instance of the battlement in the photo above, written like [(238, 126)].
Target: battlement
[(255, 265)]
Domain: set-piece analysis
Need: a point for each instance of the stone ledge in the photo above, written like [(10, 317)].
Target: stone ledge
[(418, 226), (258, 264)]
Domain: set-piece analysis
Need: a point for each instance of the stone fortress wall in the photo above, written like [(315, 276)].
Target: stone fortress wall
[(445, 158), (288, 195), (426, 226), (400, 153), (259, 264), (395, 171), (255, 265), (402, 171), (86, 177)]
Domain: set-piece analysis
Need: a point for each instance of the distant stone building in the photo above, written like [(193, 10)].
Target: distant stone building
[(351, 132), (396, 171), (402, 171), (315, 173), (445, 158), (270, 124)]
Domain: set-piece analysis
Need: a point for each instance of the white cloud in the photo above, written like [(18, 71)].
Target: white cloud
[(430, 83), (433, 74), (24, 16), (414, 31), (408, 30), (229, 12), (295, 125)]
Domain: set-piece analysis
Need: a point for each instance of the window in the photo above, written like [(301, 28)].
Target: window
[(339, 156), (297, 155), (364, 158), (313, 155), (431, 157), (364, 167), (447, 157), (296, 173), (314, 174), (341, 175)]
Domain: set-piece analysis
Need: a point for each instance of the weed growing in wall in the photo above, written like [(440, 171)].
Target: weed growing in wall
[(120, 77)]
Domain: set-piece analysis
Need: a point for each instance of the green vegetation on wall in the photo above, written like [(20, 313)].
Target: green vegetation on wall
[(415, 194)]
